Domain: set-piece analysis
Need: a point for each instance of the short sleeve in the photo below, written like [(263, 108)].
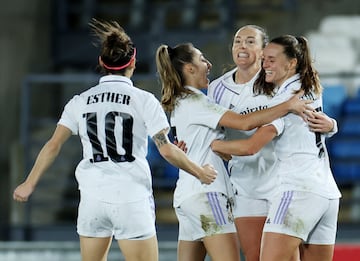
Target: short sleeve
[(68, 117), (154, 116), (279, 125), (207, 113)]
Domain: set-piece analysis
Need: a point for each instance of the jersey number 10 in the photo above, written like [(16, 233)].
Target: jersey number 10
[(127, 137)]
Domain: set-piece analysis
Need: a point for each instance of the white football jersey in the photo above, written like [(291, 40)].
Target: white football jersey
[(114, 120), (251, 176), (195, 120), (303, 158)]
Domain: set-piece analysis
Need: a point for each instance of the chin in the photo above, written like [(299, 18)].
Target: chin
[(268, 79)]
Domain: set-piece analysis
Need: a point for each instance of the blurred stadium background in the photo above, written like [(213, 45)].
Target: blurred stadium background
[(47, 56)]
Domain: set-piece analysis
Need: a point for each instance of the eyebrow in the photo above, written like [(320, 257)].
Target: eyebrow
[(245, 37)]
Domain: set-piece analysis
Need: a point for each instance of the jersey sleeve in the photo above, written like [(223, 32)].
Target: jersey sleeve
[(68, 117), (154, 115), (333, 131), (211, 88), (279, 125), (207, 113)]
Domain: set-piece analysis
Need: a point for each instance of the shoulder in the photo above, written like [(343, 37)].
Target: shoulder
[(142, 93), (77, 100), (223, 78)]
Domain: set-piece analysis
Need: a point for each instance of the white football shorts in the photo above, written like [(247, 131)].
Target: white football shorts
[(205, 214), (305, 215), (250, 207), (134, 220)]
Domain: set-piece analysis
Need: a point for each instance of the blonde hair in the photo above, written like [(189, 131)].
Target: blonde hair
[(170, 63)]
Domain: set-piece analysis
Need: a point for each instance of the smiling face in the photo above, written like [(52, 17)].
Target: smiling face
[(197, 72), (247, 47), (278, 67)]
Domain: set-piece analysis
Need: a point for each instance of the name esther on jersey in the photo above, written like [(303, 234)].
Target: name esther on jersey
[(109, 97)]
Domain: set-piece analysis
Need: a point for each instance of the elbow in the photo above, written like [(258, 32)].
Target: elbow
[(251, 150), (248, 125), (53, 148), (166, 151)]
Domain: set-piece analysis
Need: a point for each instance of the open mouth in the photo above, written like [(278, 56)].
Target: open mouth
[(243, 55)]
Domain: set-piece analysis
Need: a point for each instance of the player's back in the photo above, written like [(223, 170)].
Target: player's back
[(113, 121)]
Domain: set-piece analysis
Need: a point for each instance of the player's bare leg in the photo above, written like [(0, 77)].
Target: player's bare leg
[(140, 250), (249, 234), (94, 248), (278, 247), (317, 252), (223, 247), (191, 251)]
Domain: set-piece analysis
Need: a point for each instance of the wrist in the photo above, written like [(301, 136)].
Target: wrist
[(332, 125), (289, 108), (213, 145)]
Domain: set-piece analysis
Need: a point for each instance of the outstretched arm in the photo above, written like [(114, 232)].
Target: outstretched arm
[(256, 119), (43, 161), (175, 156), (245, 147)]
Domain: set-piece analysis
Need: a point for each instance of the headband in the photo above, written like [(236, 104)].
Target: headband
[(117, 68)]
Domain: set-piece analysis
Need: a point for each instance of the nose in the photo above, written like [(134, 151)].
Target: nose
[(265, 64), (209, 65)]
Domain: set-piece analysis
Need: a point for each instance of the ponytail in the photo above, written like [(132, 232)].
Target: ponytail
[(169, 63)]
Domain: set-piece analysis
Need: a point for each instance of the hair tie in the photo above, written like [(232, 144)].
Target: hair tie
[(170, 51)]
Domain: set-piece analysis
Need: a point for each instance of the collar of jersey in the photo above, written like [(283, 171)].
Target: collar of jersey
[(288, 82), (115, 78), (193, 89)]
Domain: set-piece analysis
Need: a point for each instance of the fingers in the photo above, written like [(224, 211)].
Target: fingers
[(209, 180), (210, 175), (300, 93), (308, 107), (181, 145), (320, 123), (22, 193), (304, 116), (19, 198), (310, 114)]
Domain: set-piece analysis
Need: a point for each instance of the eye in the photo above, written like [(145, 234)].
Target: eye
[(237, 41), (250, 41)]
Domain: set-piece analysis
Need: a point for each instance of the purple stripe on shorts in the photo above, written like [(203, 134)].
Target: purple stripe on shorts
[(283, 207), (216, 208)]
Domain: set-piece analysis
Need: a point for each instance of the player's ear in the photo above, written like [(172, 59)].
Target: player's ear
[(189, 68), (293, 63), (101, 63), (133, 63)]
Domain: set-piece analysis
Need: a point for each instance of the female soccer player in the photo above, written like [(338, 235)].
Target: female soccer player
[(251, 175), (114, 120), (204, 211), (303, 172)]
